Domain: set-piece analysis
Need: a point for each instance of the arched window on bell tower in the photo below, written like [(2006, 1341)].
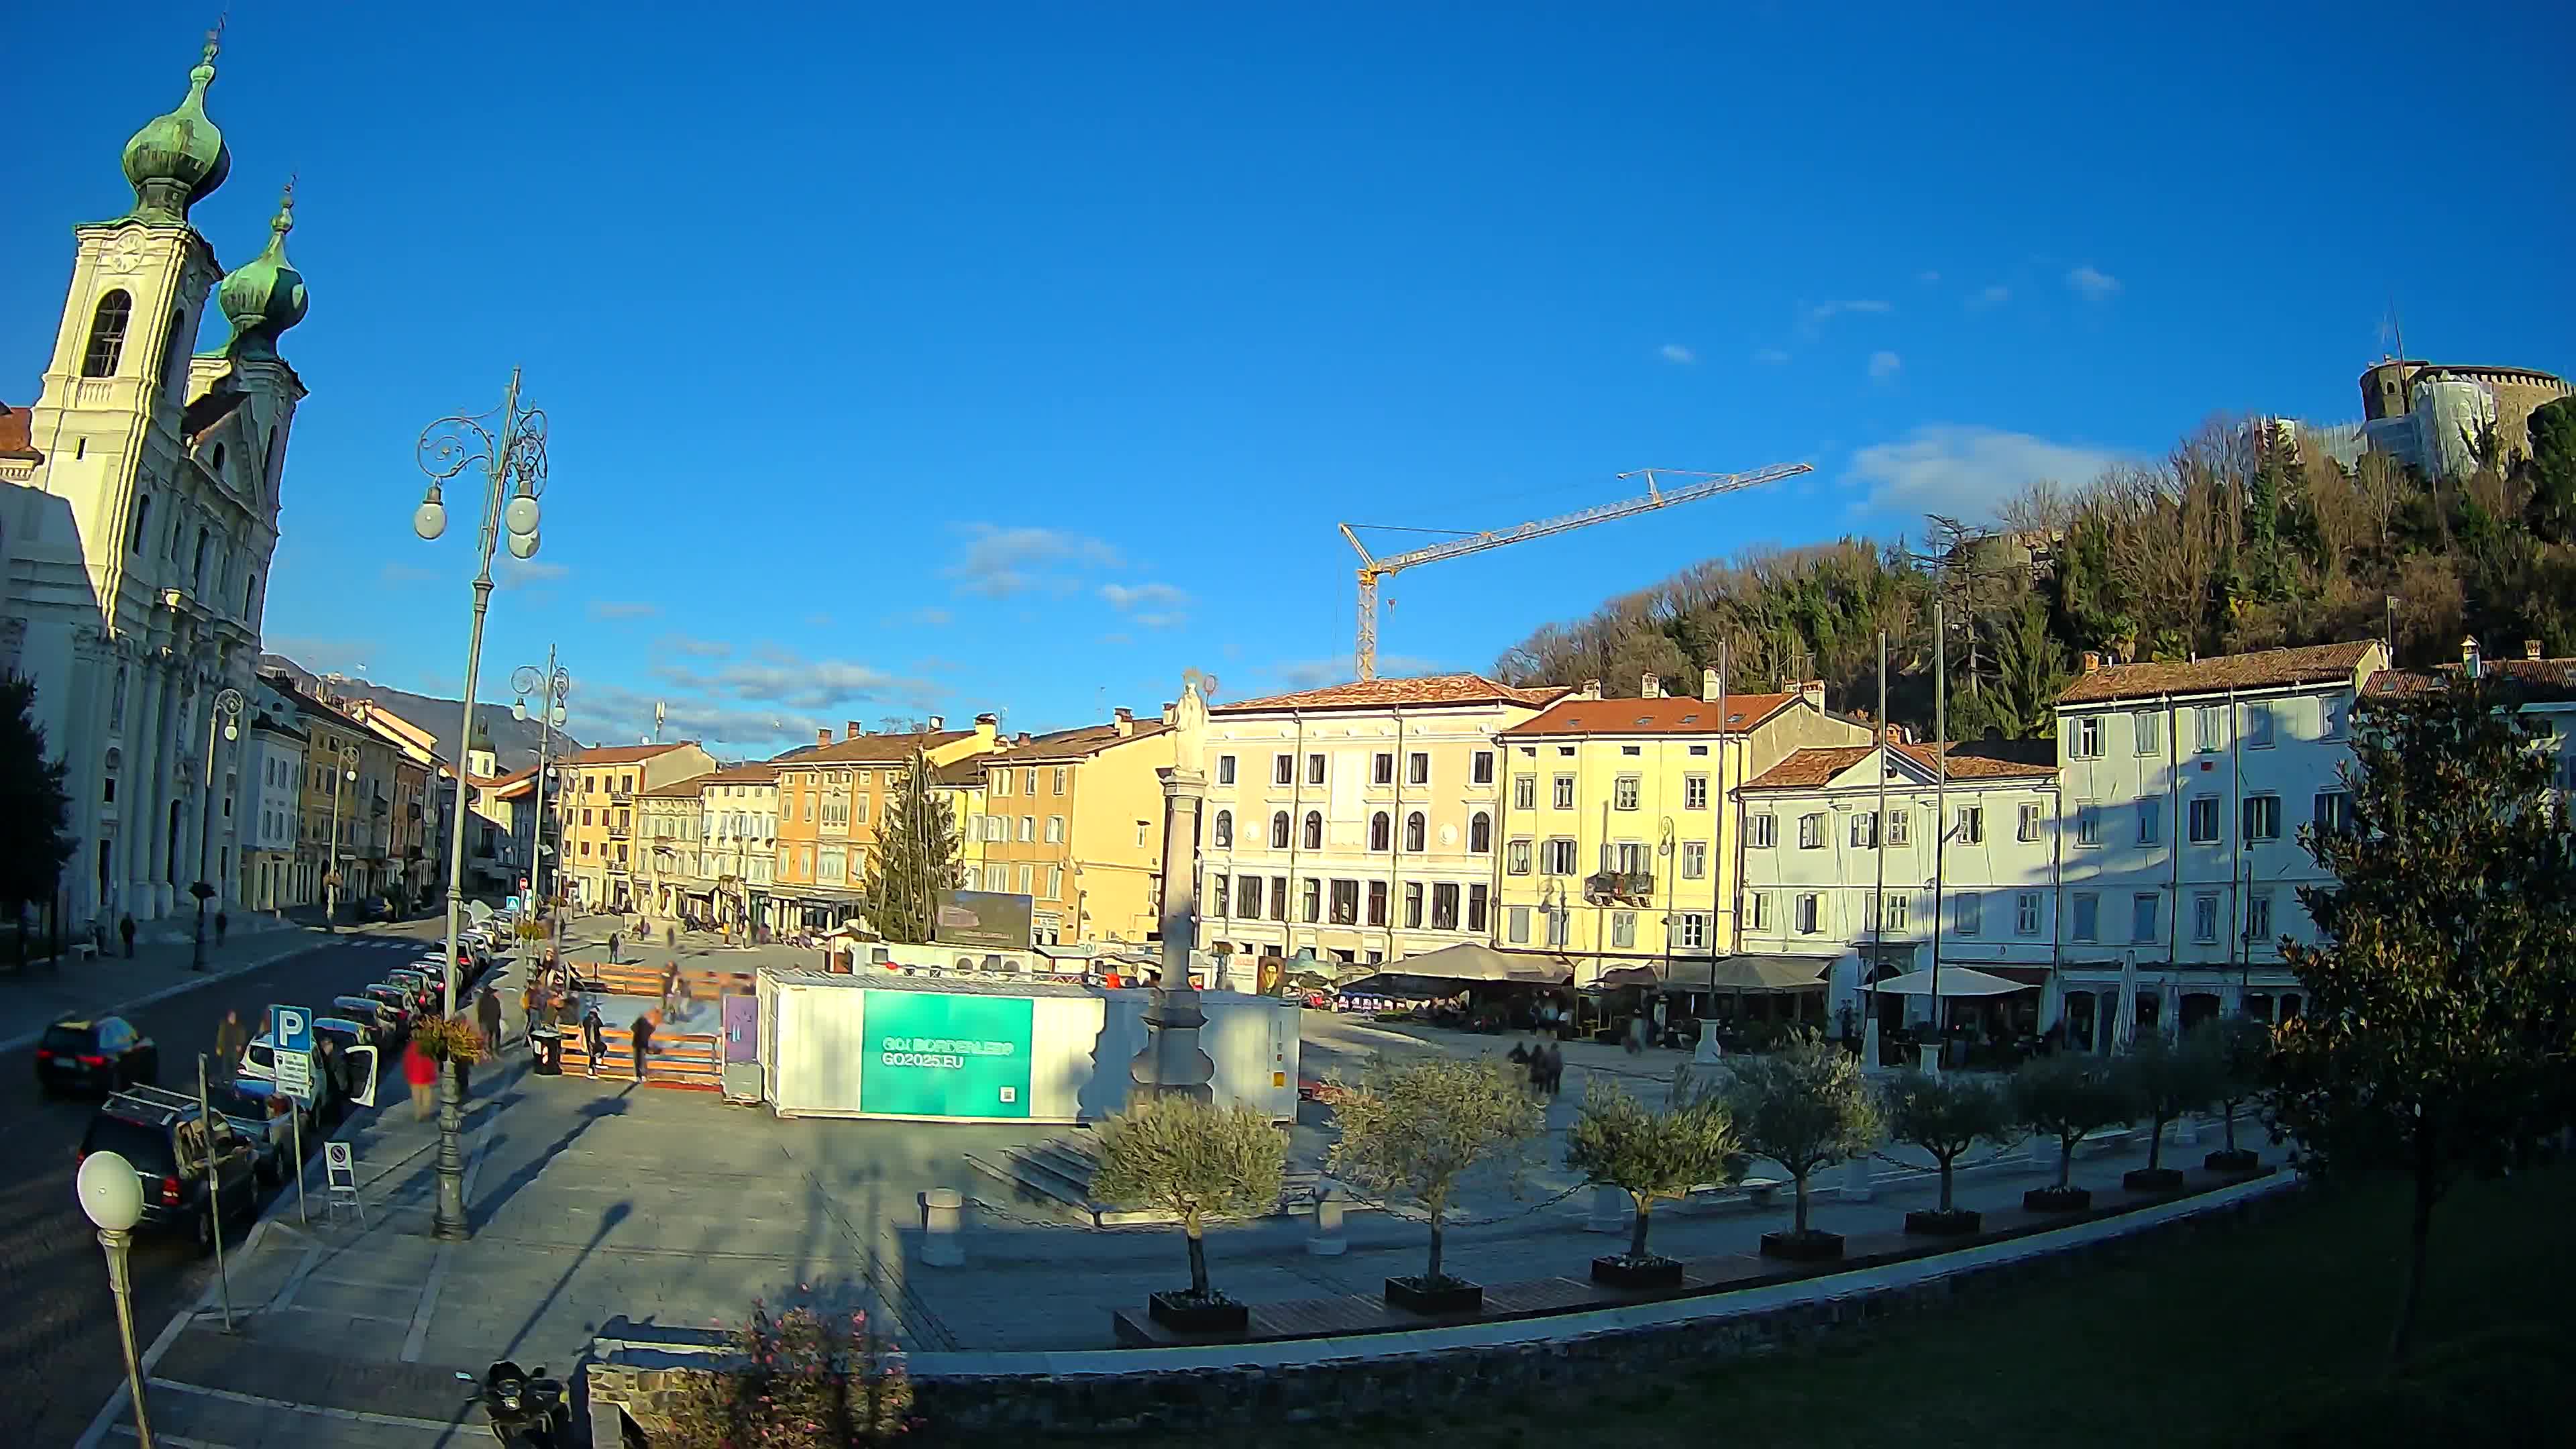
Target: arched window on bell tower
[(107, 334)]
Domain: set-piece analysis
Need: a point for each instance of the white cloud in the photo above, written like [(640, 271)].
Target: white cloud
[(695, 648), (1827, 311), (511, 573), (623, 609), (1133, 596), (1770, 356), (1994, 296), (1163, 621), (1966, 471), (788, 682), (1884, 365), (998, 562), (1674, 352), (2092, 285)]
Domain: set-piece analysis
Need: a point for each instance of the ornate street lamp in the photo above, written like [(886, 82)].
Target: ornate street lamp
[(510, 450), (553, 686), (112, 1196), (225, 720)]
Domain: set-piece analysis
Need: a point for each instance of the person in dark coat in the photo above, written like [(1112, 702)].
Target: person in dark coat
[(125, 928), (643, 1041), (1554, 1067), (594, 1038), (487, 1014)]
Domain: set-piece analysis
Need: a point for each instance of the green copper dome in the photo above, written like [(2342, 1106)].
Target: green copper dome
[(265, 295), (177, 159)]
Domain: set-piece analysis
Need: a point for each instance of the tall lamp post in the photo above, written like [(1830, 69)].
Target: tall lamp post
[(224, 720), (510, 450), (553, 686), (112, 1196), (346, 774)]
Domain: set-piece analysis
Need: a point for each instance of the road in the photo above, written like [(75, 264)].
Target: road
[(58, 1352)]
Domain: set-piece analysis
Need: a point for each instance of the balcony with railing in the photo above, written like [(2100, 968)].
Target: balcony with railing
[(1619, 887), (621, 832)]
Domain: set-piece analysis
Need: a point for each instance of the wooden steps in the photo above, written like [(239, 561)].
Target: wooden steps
[(682, 1059), (640, 978)]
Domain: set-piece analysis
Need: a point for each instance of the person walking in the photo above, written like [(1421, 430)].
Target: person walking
[(594, 1038), (231, 1040), (1555, 1069), (487, 1015), (612, 948), (422, 1074), (531, 997), (221, 922), (125, 928), (643, 1041)]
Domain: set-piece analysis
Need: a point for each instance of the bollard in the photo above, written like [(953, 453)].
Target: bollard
[(943, 1212), (1327, 1240), (1856, 1186), (1612, 1211)]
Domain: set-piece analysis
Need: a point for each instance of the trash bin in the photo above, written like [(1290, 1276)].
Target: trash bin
[(546, 1046)]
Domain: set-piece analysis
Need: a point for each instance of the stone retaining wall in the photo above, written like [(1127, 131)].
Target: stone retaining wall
[(1467, 1380)]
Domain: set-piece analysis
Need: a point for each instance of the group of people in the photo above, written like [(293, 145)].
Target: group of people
[(1545, 1062)]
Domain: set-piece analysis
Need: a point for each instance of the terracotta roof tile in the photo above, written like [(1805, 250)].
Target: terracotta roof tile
[(1427, 689), (17, 433), (2542, 679), (758, 772), (2263, 669), (1809, 768), (1073, 744), (1673, 715), (621, 754), (679, 789), (965, 774), (876, 749)]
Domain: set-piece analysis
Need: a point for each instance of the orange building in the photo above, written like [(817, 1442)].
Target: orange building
[(831, 799), (597, 809)]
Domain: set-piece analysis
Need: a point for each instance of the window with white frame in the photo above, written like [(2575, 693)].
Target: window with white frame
[(1762, 832), (2258, 726), (1562, 796), (2026, 913), (2334, 812), (1283, 769), (2202, 815), (1623, 792), (2088, 823), (1895, 911), (1516, 925), (2258, 918), (2142, 916), (1516, 858), (2087, 925), (1690, 931), (1028, 828), (1417, 768), (2336, 715), (1900, 827), (1811, 832), (1968, 912), (1525, 792), (2029, 828), (1220, 899), (1864, 830), (1279, 829), (1623, 930), (1225, 769), (1694, 859), (1480, 769), (2151, 821), (1055, 830), (2087, 743), (2262, 817), (1382, 768), (2204, 917), (1560, 922), (1971, 825), (2209, 728), (1757, 905), (2146, 731), (1809, 922), (1694, 792), (1315, 769), (1556, 857), (1222, 834)]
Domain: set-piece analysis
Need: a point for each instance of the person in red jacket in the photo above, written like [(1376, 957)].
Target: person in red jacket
[(422, 1073)]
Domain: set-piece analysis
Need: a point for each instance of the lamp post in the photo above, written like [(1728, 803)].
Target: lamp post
[(225, 720), (553, 686), (511, 453), (112, 1196), (345, 775)]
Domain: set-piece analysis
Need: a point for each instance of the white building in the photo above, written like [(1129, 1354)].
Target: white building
[(138, 513), (272, 799), (1827, 876), (2184, 786), (1292, 856), (2548, 691)]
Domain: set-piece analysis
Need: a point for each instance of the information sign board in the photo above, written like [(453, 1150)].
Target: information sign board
[(933, 1054)]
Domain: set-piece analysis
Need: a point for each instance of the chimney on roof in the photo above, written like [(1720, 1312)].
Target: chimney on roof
[(1652, 687), (987, 725), (1021, 738), (1710, 686), (1123, 720), (1813, 690), (822, 738), (938, 722), (2092, 660), (2531, 649), (1171, 713), (1589, 689), (851, 730), (2470, 662)]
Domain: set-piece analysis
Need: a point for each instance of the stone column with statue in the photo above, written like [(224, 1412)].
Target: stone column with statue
[(1172, 1063)]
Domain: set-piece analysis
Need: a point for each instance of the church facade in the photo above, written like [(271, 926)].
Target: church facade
[(138, 515)]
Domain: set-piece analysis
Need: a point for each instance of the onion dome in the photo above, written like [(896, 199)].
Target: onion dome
[(265, 295), (178, 159)]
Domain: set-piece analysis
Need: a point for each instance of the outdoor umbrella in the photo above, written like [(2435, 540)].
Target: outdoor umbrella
[(1955, 981)]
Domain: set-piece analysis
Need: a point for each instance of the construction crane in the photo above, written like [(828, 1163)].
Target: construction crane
[(1702, 485)]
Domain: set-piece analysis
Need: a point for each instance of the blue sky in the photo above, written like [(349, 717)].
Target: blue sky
[(945, 358)]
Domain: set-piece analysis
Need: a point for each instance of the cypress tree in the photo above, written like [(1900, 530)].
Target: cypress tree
[(35, 811), (915, 857)]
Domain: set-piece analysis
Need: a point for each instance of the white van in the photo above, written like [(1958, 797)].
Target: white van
[(259, 1064)]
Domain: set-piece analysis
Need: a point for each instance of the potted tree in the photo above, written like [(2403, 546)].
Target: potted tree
[(1620, 1142), (2166, 1079), (2067, 1097), (1194, 1160), (2239, 1048), (1415, 1132), (1806, 1107), (1945, 1116)]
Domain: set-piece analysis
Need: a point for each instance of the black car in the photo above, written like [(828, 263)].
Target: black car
[(169, 1147), (97, 1054), (244, 1109)]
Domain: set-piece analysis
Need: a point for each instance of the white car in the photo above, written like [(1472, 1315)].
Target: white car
[(259, 1064)]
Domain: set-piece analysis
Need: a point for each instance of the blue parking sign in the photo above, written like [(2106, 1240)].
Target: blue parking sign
[(290, 1028)]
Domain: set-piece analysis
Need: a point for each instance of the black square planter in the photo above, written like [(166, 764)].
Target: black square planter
[(2240, 1160), (1445, 1297), (1956, 1223), (2151, 1179), (1183, 1313), (2057, 1200), (1812, 1246), (1618, 1270)]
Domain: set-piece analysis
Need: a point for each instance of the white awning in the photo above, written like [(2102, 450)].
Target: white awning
[(1955, 981)]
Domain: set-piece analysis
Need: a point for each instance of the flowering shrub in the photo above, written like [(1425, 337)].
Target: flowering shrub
[(454, 1039), (805, 1382)]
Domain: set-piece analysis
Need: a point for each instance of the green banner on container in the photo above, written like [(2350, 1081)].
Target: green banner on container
[(935, 1055)]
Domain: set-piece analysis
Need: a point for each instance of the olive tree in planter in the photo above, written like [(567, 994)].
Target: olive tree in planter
[(1649, 1154), (2239, 1049), (2166, 1079), (1415, 1132), (2066, 1098), (1195, 1160), (1946, 1116), (1806, 1107)]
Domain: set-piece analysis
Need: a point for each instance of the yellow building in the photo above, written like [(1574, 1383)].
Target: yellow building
[(961, 785), (597, 811), (832, 799), (1073, 820), (1618, 840)]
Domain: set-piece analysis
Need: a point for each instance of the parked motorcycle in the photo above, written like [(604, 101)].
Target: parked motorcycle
[(526, 1410)]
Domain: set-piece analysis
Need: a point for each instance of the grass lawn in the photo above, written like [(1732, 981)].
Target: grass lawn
[(2216, 1340)]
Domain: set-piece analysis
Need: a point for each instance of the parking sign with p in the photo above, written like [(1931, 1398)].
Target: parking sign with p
[(290, 1028)]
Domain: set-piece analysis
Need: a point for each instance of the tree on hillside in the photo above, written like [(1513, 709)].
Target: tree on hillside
[(914, 858), (35, 811), (2550, 471), (2442, 989)]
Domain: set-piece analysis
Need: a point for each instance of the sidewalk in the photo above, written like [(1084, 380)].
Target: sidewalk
[(601, 1209), (33, 999)]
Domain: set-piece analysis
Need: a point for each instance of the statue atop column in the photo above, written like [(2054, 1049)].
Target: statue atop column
[(1172, 1063)]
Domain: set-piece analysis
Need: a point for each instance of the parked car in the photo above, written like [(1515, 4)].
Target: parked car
[(359, 1060), (379, 1020), (192, 1169), (94, 1054), (243, 1107), (397, 999), (426, 987)]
